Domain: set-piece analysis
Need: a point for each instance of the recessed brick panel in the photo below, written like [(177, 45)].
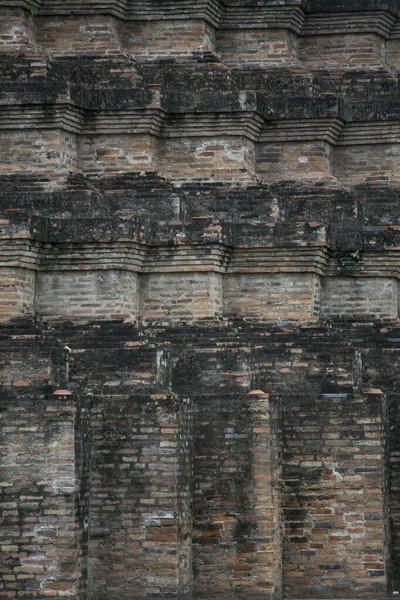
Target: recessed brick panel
[(272, 297), (85, 295), (220, 158), (118, 153), (51, 152), (75, 35), (373, 164), (272, 48), (180, 297), (172, 37), (294, 161), (343, 52), (359, 298)]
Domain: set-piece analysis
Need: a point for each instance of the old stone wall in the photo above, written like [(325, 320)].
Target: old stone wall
[(199, 311), (195, 482)]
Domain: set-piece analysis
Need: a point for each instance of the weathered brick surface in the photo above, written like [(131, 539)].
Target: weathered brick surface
[(272, 297), (219, 158), (347, 297), (75, 35), (298, 161), (17, 292), (47, 151), (128, 271), (40, 529), (146, 453), (120, 153), (335, 496), (258, 47), (375, 164), (104, 294), (180, 296), (199, 238), (140, 542), (343, 52), (236, 536), (173, 37)]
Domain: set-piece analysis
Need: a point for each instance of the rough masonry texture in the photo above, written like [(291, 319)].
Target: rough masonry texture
[(199, 299)]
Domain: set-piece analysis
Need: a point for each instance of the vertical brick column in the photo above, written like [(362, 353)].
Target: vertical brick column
[(16, 28), (266, 490), (140, 543), (335, 496), (40, 550), (237, 545)]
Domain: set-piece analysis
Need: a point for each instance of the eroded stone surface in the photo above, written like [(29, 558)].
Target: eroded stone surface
[(199, 240)]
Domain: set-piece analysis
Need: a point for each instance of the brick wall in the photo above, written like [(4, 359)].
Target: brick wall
[(172, 37), (40, 530), (143, 454), (236, 538), (118, 153), (335, 497), (294, 161), (343, 52), (17, 292), (83, 295), (393, 50), (180, 296), (46, 151), (275, 124), (359, 298), (272, 297), (371, 163), (73, 35), (16, 29), (258, 47), (223, 157), (192, 295), (140, 543)]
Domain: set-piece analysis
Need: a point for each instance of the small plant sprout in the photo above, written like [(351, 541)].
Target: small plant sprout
[(171, 393)]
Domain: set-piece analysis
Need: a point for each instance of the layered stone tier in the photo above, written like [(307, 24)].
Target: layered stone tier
[(225, 136), (299, 34), (201, 271)]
